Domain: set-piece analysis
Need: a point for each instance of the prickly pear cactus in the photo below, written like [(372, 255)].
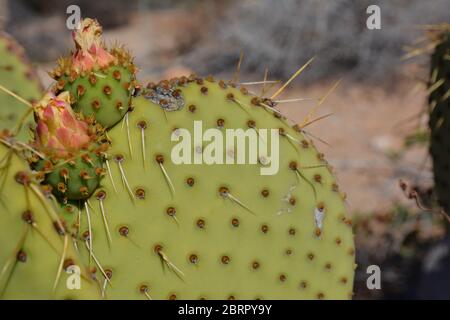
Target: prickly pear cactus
[(37, 254), (439, 101), (100, 80), (216, 231), (16, 75), (157, 228)]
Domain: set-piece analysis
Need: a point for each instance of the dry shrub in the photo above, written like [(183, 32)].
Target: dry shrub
[(283, 35)]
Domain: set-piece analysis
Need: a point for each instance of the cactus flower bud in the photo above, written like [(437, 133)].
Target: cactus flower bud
[(58, 132), (90, 52)]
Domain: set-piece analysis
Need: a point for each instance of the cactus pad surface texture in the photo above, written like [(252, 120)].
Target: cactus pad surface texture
[(18, 76)]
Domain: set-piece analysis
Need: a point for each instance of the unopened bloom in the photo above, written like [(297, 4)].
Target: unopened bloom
[(90, 52), (58, 131)]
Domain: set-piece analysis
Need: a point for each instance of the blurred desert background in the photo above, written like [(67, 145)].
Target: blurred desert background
[(375, 136)]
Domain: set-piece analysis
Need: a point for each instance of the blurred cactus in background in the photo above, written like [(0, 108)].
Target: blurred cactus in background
[(439, 101), (17, 75)]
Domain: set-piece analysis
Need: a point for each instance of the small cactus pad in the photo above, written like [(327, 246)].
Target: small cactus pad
[(38, 257), (101, 81), (167, 231), (104, 95), (439, 101), (16, 75), (73, 179)]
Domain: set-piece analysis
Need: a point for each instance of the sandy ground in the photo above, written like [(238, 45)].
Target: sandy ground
[(365, 132)]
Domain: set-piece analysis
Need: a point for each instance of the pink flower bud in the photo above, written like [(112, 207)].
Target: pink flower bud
[(90, 52), (58, 131)]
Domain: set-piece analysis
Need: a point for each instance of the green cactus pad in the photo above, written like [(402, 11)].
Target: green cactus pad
[(104, 95), (101, 79), (166, 231), (34, 245), (16, 75), (439, 101), (73, 179)]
